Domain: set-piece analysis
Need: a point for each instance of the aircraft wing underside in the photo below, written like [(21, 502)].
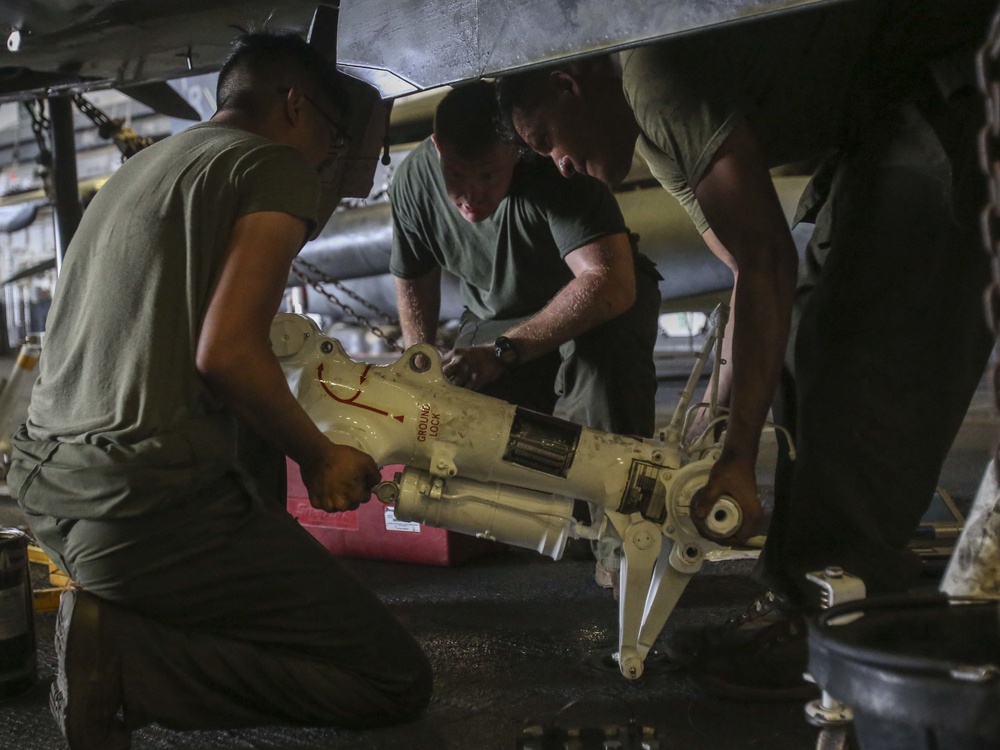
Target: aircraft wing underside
[(400, 46)]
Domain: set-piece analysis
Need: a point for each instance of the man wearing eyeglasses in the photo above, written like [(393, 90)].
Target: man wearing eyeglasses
[(204, 604)]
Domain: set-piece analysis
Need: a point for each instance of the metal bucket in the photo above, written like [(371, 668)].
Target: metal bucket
[(921, 673), (18, 656)]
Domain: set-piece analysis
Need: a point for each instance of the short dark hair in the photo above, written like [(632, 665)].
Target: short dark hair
[(523, 91), (466, 119), (528, 90), (262, 63)]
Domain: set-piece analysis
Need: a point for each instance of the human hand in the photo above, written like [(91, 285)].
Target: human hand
[(737, 481), (340, 478), (702, 415), (472, 367)]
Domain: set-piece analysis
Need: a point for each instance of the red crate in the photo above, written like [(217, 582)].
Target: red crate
[(372, 530)]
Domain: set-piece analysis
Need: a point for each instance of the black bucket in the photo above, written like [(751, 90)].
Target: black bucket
[(18, 656), (921, 673)]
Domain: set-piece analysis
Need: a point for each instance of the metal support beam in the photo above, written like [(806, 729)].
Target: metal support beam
[(66, 195)]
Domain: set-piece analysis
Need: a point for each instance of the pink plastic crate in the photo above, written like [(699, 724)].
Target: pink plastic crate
[(372, 531)]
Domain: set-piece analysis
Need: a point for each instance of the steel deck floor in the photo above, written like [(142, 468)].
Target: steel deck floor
[(517, 639)]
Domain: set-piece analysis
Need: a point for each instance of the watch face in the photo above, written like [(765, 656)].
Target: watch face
[(505, 350)]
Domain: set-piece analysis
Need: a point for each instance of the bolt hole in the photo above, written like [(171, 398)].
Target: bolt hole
[(420, 362), (691, 552), (326, 347)]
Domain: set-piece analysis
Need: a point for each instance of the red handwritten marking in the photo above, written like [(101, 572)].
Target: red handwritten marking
[(352, 400)]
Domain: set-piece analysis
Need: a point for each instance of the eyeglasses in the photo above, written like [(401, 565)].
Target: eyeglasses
[(340, 135)]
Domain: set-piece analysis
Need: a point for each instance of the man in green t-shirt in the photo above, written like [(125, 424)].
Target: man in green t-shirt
[(891, 341), (204, 605), (558, 302)]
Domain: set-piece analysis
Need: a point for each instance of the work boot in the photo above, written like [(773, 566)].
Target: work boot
[(87, 693), (608, 578), (767, 667), (684, 645), (759, 654)]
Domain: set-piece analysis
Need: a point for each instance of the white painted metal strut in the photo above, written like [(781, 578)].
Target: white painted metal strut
[(481, 466)]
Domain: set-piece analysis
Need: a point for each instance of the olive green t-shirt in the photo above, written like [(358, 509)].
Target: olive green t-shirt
[(119, 417), (511, 264), (806, 82)]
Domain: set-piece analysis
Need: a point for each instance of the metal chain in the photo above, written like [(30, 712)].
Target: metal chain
[(41, 127), (988, 71), (321, 278), (126, 139)]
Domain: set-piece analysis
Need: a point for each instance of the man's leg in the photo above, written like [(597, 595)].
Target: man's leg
[(890, 350), (784, 409), (227, 615), (891, 345)]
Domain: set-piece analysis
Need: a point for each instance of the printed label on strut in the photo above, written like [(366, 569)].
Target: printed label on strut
[(13, 612), (428, 424), (394, 524)]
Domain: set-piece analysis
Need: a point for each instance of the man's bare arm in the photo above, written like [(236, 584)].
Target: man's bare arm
[(603, 288), (724, 382), (419, 303), (235, 360), (739, 201)]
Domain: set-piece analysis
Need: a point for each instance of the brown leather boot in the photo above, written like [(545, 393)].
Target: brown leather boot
[(87, 693)]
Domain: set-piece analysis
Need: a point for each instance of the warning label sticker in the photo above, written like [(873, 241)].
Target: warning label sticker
[(394, 524)]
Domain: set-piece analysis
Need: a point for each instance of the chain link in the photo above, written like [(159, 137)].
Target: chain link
[(320, 278), (128, 141), (41, 127), (988, 72)]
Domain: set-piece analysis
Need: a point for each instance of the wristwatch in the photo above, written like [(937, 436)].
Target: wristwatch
[(505, 351)]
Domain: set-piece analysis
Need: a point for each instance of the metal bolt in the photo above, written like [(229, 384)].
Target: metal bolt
[(326, 347), (386, 492), (833, 571), (643, 540)]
